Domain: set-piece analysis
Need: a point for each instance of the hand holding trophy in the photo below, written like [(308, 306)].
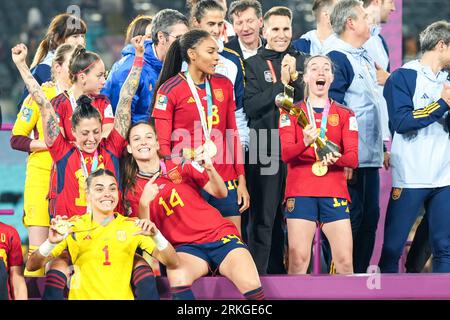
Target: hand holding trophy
[(322, 145)]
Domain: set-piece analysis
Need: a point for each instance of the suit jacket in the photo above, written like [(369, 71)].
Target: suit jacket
[(233, 44)]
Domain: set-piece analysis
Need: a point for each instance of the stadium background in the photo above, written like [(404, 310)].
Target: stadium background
[(26, 21)]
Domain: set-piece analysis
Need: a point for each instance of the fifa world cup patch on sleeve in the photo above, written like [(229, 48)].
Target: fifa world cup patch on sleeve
[(284, 120), (26, 114), (353, 124), (161, 102), (109, 112)]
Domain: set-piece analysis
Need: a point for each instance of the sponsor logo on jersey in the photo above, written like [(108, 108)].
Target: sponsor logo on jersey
[(121, 235)]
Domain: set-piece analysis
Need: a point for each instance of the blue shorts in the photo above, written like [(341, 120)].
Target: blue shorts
[(228, 207), (213, 252), (317, 209)]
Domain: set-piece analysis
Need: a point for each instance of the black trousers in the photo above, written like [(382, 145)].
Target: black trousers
[(266, 226), (3, 281)]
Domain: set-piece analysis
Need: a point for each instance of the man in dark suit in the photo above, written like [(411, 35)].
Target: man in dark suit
[(246, 17)]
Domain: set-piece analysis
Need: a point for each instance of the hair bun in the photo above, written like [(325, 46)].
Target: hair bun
[(84, 100)]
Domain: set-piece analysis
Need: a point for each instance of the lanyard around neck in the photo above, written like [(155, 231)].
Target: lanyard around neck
[(206, 122), (312, 120)]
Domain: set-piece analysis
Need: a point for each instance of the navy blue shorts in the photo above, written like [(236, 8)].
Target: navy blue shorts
[(228, 207), (213, 252), (317, 209)]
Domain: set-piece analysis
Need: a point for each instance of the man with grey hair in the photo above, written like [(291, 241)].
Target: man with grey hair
[(316, 41), (418, 100), (354, 86), (167, 25)]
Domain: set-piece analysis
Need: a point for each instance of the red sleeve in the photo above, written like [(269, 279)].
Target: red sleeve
[(291, 147), (59, 148), (59, 106), (350, 142), (235, 140), (196, 173), (163, 111), (104, 107), (15, 257), (115, 143)]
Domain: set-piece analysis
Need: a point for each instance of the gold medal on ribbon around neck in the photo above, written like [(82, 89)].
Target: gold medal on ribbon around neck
[(210, 148), (319, 169)]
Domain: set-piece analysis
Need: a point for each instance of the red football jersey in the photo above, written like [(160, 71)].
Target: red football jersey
[(176, 114), (64, 109), (341, 129), (71, 193), (10, 249), (179, 211)]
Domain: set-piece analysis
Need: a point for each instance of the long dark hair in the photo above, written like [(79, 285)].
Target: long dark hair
[(128, 165), (178, 52), (62, 26), (81, 62)]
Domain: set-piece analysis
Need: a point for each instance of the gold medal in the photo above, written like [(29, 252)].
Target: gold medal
[(319, 169), (210, 148), (188, 153)]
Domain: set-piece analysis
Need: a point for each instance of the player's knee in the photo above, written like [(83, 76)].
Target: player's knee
[(60, 265), (441, 247), (298, 258), (344, 264)]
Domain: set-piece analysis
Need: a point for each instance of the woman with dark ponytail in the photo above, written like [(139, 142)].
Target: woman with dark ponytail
[(87, 73), (89, 152), (197, 108), (64, 28)]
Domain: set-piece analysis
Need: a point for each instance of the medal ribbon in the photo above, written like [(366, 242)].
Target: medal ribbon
[(206, 123), (312, 120)]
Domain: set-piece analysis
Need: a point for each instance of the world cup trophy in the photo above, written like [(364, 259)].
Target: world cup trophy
[(285, 101)]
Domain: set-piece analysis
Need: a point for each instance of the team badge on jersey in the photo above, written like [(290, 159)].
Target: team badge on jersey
[(353, 124), (218, 93), (268, 76), (26, 114), (285, 121), (290, 204), (396, 193), (161, 102), (121, 235), (333, 119), (175, 176)]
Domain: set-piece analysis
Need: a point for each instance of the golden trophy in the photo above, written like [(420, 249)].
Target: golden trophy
[(323, 146)]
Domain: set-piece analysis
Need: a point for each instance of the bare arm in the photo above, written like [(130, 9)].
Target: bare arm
[(122, 119), (17, 281), (49, 119)]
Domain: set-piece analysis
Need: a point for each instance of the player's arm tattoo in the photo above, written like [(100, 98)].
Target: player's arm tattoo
[(49, 118), (122, 119)]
